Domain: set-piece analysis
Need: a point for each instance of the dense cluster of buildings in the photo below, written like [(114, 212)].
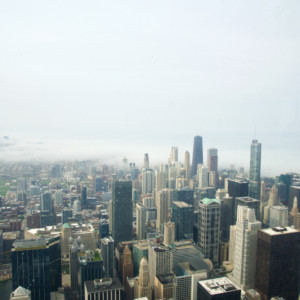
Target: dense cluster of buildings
[(85, 230)]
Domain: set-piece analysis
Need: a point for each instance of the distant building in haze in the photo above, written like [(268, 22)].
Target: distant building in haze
[(255, 164), (197, 154), (212, 159)]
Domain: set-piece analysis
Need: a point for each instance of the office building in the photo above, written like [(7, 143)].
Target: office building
[(182, 216), (202, 173), (227, 216), (105, 288), (148, 181), (46, 202), (160, 181), (187, 166), (141, 211), (218, 288), (255, 164), (182, 287), (245, 248), (146, 161), (273, 201), (185, 194), (162, 208), (66, 215), (212, 160), (121, 211), (127, 264), (236, 187), (249, 202), (169, 233), (142, 284), (160, 261), (173, 154), (90, 266), (98, 184), (278, 216), (294, 191), (277, 263), (163, 286), (36, 265), (197, 154), (107, 253), (83, 203), (103, 228), (209, 228)]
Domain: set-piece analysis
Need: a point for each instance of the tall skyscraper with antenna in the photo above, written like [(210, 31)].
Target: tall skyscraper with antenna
[(255, 163), (197, 154)]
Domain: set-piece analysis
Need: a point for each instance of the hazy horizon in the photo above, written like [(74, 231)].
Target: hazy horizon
[(112, 79)]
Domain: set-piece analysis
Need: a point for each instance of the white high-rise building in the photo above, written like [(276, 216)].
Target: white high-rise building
[(245, 248), (161, 180), (169, 233), (160, 261), (148, 181), (202, 176), (279, 216), (173, 154)]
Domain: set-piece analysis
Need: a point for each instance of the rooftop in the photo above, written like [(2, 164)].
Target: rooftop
[(166, 278), (103, 284), (207, 201), (218, 286), (181, 204), (279, 230)]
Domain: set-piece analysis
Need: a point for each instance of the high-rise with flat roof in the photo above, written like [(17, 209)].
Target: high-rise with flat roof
[(277, 263), (197, 154), (209, 228), (212, 159), (255, 163), (148, 181), (218, 288), (141, 211), (36, 265), (182, 216), (107, 252), (121, 211)]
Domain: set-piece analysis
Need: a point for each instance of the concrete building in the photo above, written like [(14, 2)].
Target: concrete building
[(160, 181), (278, 216), (202, 174), (142, 285), (247, 226), (197, 154), (182, 287), (127, 264), (160, 261), (162, 208), (163, 286), (273, 201), (187, 166), (250, 203), (295, 215), (148, 181), (169, 233), (209, 233), (173, 154)]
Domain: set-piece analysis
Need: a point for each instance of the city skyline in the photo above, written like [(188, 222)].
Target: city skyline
[(148, 76)]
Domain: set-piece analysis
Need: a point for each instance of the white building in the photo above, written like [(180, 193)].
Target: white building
[(245, 248), (148, 181)]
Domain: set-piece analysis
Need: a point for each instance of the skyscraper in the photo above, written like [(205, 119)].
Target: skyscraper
[(187, 166), (277, 263), (182, 216), (245, 248), (84, 197), (209, 224), (173, 154), (121, 211), (107, 252), (162, 208), (46, 202), (146, 161), (140, 221), (255, 162), (197, 154), (169, 233), (202, 173), (143, 287), (148, 181), (212, 159), (160, 261), (36, 265)]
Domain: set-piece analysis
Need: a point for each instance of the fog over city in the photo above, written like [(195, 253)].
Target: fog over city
[(103, 80)]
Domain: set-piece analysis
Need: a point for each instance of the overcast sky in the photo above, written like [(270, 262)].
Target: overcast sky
[(120, 78)]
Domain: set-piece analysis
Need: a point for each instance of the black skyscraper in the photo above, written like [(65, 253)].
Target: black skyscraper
[(121, 211), (197, 154)]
